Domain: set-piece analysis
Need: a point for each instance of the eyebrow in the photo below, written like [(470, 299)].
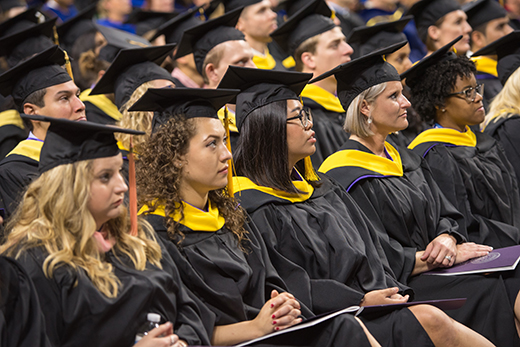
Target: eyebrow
[(213, 136), (296, 108)]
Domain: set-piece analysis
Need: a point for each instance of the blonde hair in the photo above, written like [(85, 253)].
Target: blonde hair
[(54, 215), (308, 45), (138, 120), (356, 123), (507, 102)]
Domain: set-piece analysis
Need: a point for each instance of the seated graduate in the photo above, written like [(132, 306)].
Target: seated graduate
[(315, 225), (38, 85), (182, 178), (471, 169), (418, 227), (96, 280), (503, 119), (21, 320)]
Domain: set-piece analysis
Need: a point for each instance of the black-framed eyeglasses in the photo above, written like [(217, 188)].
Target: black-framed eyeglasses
[(470, 93), (305, 117)]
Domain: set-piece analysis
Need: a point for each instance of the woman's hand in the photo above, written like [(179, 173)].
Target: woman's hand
[(470, 250), (383, 297), (441, 252), (280, 312), (167, 339)]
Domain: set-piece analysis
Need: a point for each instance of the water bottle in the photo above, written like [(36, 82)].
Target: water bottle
[(153, 320)]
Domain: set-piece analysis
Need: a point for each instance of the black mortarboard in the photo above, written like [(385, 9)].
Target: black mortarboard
[(174, 28), (38, 72), (204, 37), (310, 21), (70, 141), (293, 6), (130, 69), (428, 12), (261, 87), (148, 20), (482, 11), (231, 5), (6, 5), (69, 31), (189, 102), (368, 39), (359, 74), (33, 39), (19, 22), (414, 74), (507, 50), (118, 40)]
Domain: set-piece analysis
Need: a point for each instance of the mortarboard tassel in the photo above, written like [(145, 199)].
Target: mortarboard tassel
[(310, 174), (132, 190), (231, 168), (68, 67)]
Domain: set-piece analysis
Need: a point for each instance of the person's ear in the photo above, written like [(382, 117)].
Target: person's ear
[(434, 32), (308, 60), (478, 39), (365, 108), (29, 108), (211, 73)]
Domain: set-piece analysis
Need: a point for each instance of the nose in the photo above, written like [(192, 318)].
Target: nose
[(226, 155), (272, 14), (79, 106), (467, 28), (121, 186), (405, 103), (347, 49), (407, 64)]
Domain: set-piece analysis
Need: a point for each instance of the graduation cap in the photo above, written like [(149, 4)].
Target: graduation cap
[(359, 74), (145, 21), (33, 39), (428, 12), (371, 38), (69, 31), (38, 72), (308, 22), (31, 15), (118, 40), (174, 28), (188, 102), (131, 68), (70, 141), (261, 87), (231, 5), (293, 6), (204, 37), (414, 74), (482, 11), (507, 50)]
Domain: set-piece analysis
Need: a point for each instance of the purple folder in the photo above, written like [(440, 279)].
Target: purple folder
[(502, 259)]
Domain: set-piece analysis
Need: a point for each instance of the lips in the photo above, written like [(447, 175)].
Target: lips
[(224, 170)]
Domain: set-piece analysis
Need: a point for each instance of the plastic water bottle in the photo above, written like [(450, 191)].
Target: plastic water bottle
[(153, 320)]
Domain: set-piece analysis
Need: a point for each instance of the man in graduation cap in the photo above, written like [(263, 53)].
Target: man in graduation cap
[(38, 86), (318, 45), (490, 22), (185, 72), (439, 22)]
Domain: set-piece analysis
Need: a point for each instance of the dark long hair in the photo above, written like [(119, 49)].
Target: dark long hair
[(262, 154)]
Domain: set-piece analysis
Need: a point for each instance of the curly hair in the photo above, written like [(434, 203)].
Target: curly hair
[(54, 215), (159, 178), (436, 83)]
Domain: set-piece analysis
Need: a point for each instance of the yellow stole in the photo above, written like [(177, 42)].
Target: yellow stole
[(103, 103), (265, 62), (28, 148), (194, 219), (329, 101), (446, 135), (289, 62), (369, 161), (11, 117), (232, 120), (241, 184), (486, 65)]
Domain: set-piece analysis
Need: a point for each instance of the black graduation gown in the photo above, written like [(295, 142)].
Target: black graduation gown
[(235, 284), (11, 131), (17, 171), (473, 172), (77, 312), (412, 212), (327, 123), (506, 131), (328, 236), (100, 109), (21, 320)]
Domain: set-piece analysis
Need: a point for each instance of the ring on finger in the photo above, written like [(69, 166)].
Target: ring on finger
[(172, 340), (448, 257)]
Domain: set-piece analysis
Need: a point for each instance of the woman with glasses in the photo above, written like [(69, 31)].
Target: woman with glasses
[(417, 226), (471, 168), (310, 223)]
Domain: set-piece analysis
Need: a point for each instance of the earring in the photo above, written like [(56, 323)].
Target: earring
[(443, 110), (369, 120)]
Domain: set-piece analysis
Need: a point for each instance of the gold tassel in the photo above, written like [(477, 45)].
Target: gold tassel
[(310, 174), (231, 163), (132, 190), (68, 67)]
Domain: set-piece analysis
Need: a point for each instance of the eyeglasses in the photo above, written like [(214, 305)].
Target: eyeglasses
[(305, 117), (470, 93)]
